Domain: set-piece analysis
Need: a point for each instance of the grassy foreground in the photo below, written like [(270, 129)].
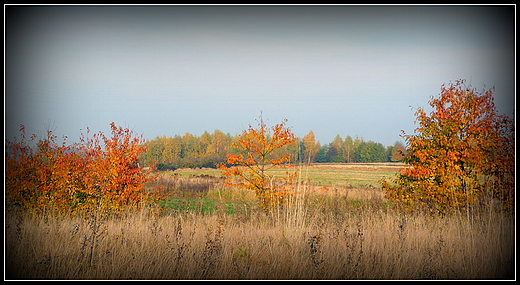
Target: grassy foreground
[(366, 244), (207, 231)]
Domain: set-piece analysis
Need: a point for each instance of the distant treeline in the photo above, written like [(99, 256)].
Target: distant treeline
[(210, 149)]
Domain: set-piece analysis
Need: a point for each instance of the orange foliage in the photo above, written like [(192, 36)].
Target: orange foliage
[(462, 154), (257, 153), (98, 173)]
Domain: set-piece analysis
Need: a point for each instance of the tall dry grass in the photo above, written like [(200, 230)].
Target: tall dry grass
[(331, 241)]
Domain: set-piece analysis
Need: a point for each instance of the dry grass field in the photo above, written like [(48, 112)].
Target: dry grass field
[(361, 245), (207, 231)]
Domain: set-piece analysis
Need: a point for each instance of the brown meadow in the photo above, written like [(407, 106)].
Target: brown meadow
[(329, 235)]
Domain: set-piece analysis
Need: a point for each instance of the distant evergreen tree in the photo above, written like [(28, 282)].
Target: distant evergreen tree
[(321, 156)]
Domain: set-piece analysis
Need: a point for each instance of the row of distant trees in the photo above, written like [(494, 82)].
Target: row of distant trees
[(350, 150), (187, 151), (210, 149)]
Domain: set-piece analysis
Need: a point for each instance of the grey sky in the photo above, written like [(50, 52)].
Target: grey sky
[(167, 70)]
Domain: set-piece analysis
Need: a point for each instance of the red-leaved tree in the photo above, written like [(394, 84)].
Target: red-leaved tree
[(99, 173), (461, 155), (257, 153)]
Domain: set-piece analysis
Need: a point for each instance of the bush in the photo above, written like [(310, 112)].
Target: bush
[(99, 173)]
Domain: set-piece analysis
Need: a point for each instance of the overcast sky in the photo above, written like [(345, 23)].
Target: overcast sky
[(168, 70)]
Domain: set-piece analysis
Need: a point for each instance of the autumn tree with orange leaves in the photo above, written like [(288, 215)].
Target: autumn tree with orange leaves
[(461, 155), (257, 153), (97, 174)]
